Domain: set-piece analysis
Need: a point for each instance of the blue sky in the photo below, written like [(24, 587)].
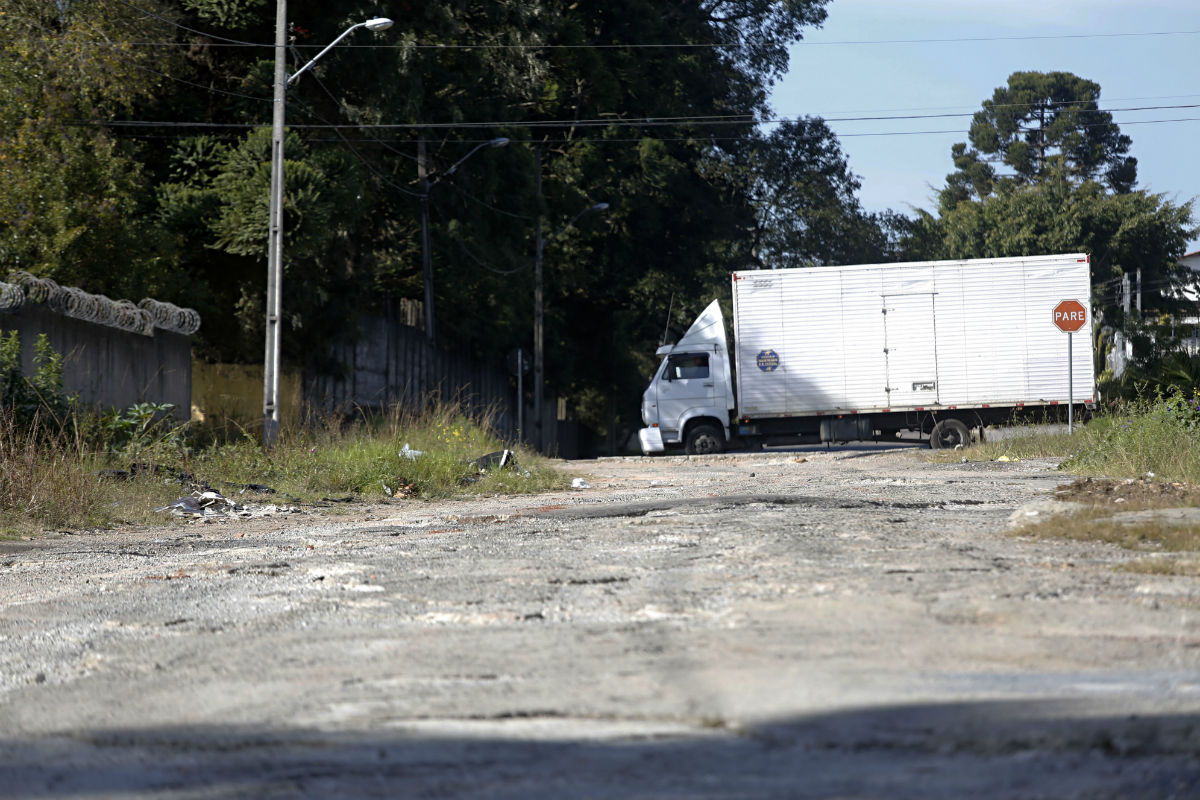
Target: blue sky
[(830, 77)]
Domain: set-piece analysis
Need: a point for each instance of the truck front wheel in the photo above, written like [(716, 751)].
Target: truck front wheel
[(948, 434), (703, 440)]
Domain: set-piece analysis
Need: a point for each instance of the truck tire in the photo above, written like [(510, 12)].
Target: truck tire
[(948, 434), (703, 440)]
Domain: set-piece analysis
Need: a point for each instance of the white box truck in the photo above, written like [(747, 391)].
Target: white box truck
[(862, 352)]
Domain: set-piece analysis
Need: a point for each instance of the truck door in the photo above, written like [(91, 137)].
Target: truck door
[(686, 381), (910, 348)]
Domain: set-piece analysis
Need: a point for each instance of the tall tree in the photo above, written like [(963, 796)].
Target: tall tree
[(72, 194), (1039, 125), (1069, 191), (805, 198)]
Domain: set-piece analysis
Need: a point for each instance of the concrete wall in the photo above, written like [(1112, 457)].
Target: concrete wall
[(108, 367)]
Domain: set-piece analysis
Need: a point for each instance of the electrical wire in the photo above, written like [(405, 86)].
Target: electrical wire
[(202, 86), (476, 126), (191, 30), (227, 42), (489, 268)]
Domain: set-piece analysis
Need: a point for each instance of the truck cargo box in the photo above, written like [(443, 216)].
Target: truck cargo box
[(912, 336)]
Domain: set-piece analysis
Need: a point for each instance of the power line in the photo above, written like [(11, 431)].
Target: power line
[(237, 42), (648, 122), (227, 42), (202, 86), (584, 140)]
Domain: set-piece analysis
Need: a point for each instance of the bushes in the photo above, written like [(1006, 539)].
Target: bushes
[(1159, 435), (36, 398)]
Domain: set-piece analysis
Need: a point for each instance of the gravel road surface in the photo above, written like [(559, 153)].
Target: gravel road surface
[(843, 623)]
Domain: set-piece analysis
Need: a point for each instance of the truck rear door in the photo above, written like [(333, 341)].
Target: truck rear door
[(910, 346)]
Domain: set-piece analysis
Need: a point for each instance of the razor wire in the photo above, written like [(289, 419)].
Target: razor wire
[(142, 318), (171, 317), (11, 297)]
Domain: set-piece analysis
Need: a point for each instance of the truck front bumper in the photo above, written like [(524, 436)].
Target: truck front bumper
[(651, 440)]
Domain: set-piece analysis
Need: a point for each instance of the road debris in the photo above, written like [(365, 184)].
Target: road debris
[(501, 459), (580, 483), (213, 504)]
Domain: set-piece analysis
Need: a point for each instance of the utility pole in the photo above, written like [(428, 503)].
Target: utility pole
[(426, 254), (539, 354), (275, 236)]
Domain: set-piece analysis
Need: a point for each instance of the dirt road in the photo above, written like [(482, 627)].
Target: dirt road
[(853, 623)]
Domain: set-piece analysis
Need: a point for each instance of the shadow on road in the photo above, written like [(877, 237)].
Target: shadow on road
[(977, 750)]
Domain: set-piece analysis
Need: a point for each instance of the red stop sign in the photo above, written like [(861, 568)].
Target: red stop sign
[(1070, 316)]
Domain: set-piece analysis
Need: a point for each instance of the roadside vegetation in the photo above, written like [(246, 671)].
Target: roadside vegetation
[(1141, 454), (86, 471), (62, 467)]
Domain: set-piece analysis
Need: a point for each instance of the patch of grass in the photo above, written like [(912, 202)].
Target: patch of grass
[(1174, 547), (48, 481), (51, 481), (1097, 525), (1050, 445), (1159, 436)]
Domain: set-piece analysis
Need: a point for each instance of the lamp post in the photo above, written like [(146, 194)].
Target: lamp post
[(539, 353), (275, 219), (426, 250)]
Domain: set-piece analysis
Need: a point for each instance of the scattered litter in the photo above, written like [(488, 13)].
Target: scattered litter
[(501, 459), (580, 483), (1006, 458), (800, 461), (1150, 475), (408, 453), (213, 504), (346, 499), (403, 489)]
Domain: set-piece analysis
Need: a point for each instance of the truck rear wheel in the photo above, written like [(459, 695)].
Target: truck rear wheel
[(948, 434), (703, 440)]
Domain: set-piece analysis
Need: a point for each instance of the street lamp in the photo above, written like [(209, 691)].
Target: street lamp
[(275, 220), (426, 250), (539, 354)]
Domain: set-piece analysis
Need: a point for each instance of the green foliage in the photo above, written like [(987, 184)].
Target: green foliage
[(72, 194), (364, 459), (1069, 190), (185, 215), (1160, 435), (225, 13), (1038, 126), (1121, 232), (805, 200), (137, 429), (36, 400)]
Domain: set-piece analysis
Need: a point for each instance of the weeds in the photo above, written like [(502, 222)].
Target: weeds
[(1151, 441), (52, 481)]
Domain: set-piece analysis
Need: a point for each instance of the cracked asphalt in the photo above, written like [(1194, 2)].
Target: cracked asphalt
[(842, 623)]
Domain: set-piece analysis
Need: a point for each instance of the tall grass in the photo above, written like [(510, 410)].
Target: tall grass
[(52, 480), (1159, 435)]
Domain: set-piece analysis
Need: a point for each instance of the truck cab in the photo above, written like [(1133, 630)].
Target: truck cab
[(690, 398)]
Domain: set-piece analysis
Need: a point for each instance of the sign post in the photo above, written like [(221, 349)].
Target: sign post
[(1070, 316)]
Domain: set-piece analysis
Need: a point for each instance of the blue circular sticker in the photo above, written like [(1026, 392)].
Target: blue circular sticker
[(768, 360)]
